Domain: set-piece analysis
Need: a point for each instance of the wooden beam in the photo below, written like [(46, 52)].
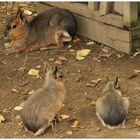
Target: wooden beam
[(118, 7), (93, 5), (104, 8), (80, 9), (130, 14)]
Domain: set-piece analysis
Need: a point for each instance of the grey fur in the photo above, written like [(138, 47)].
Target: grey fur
[(111, 108), (40, 108)]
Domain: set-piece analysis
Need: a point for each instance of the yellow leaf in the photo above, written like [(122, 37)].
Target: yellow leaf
[(27, 12), (63, 116), (34, 72), (93, 103), (2, 119), (136, 71), (80, 54), (75, 123), (18, 108)]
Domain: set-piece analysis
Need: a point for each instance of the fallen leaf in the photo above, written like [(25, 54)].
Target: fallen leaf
[(96, 81), (135, 54), (93, 103), (69, 46), (71, 50), (90, 85), (62, 58), (27, 12), (136, 71), (75, 123), (137, 122), (58, 62), (90, 43), (119, 55), (131, 75), (14, 90), (63, 116), (38, 67), (6, 45), (106, 55), (2, 119), (51, 59), (34, 72), (80, 54), (18, 108), (69, 132), (31, 92), (105, 49), (76, 40)]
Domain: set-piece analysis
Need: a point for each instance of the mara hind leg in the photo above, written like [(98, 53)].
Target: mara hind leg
[(41, 130)]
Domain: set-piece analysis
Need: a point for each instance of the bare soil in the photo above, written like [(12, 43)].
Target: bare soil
[(77, 74)]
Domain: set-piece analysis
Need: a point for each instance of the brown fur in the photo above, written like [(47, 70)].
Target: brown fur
[(52, 27), (41, 107)]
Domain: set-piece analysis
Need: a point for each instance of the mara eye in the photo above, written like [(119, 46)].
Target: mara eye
[(14, 26)]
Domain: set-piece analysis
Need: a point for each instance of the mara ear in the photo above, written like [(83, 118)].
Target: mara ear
[(107, 79), (45, 68), (19, 16), (116, 85), (54, 71)]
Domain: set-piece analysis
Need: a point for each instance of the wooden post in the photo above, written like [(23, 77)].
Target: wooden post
[(104, 8), (130, 14), (93, 5)]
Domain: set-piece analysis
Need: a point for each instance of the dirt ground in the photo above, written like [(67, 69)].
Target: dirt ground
[(77, 75)]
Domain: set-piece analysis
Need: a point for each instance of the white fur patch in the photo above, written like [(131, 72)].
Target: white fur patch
[(66, 37)]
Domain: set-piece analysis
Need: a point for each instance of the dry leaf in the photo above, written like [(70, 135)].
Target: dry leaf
[(136, 71), (135, 54), (62, 58), (6, 45), (27, 12), (18, 108), (119, 55), (58, 62), (93, 103), (105, 49), (106, 55), (72, 50), (14, 90), (31, 92), (76, 40), (137, 122), (80, 54), (131, 75), (2, 119), (38, 67), (34, 72), (75, 123), (69, 46), (63, 116), (96, 81), (90, 43), (69, 132)]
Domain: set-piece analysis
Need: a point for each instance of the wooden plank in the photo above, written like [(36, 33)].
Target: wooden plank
[(104, 8), (118, 8), (106, 34), (93, 5), (130, 14), (82, 10)]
